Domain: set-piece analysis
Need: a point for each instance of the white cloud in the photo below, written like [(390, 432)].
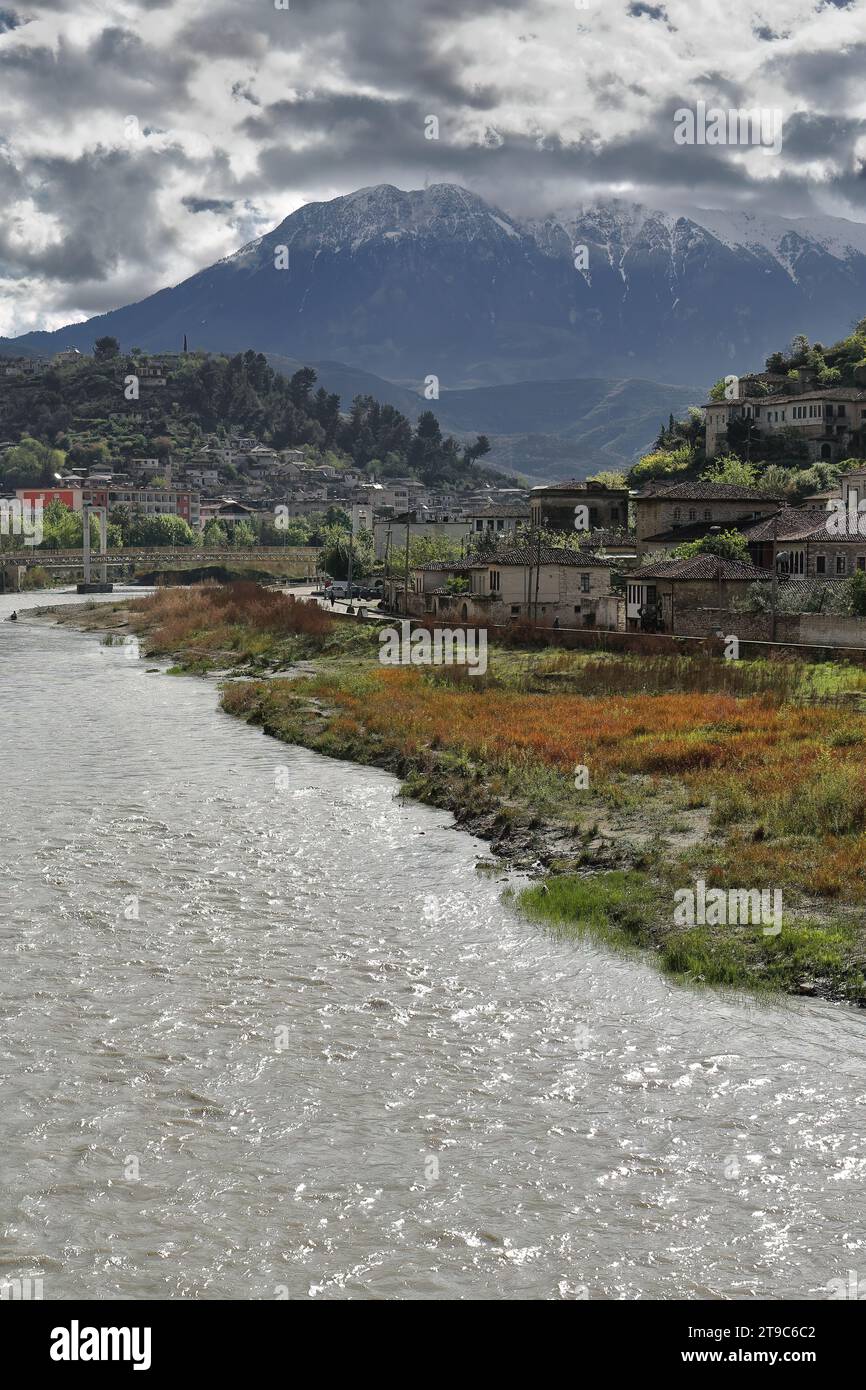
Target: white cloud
[(257, 110)]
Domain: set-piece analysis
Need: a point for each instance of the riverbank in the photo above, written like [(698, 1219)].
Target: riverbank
[(623, 780)]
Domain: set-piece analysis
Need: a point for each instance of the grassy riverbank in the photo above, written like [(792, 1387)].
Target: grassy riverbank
[(746, 775)]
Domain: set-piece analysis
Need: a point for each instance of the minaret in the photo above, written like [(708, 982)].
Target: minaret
[(184, 343)]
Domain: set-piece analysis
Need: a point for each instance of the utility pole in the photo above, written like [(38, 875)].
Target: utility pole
[(537, 576), (351, 554), (775, 581)]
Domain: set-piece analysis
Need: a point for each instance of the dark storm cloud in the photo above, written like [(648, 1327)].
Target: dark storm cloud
[(382, 41), (116, 72), (823, 78), (208, 204), (639, 9), (809, 136)]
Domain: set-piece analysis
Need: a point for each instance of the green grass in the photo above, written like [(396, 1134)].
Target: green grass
[(631, 909)]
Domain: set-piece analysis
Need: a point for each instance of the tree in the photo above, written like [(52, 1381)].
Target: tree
[(335, 516), (106, 348), (609, 478), (422, 550), (160, 530), (334, 555), (729, 545), (730, 469), (31, 463), (660, 464), (63, 529), (475, 451), (857, 585), (214, 537), (89, 453)]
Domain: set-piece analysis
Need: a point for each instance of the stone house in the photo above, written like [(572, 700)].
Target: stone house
[(554, 506), (831, 420), (662, 592), (497, 519), (806, 546), (667, 514), (567, 589)]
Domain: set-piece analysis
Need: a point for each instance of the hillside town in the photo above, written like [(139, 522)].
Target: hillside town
[(692, 558)]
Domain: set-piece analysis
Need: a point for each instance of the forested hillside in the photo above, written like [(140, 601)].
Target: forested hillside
[(81, 409)]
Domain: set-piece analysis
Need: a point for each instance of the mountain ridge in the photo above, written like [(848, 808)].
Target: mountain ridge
[(438, 281)]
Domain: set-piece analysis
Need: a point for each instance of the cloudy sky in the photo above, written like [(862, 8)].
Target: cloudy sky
[(140, 140)]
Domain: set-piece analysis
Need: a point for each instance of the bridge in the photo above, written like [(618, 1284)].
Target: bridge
[(12, 562), (57, 559)]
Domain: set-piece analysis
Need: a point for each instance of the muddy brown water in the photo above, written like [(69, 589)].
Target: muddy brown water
[(266, 1032)]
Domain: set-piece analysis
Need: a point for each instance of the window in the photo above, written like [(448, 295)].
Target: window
[(708, 516), (841, 564), (676, 513), (820, 564), (584, 583), (500, 525), (515, 610), (692, 514), (495, 581), (479, 524), (861, 562)]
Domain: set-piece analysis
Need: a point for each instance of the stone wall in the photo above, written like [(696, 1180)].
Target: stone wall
[(809, 629)]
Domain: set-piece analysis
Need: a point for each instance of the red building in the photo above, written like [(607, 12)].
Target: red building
[(70, 496)]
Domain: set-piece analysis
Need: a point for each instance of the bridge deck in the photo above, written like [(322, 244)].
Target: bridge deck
[(64, 559)]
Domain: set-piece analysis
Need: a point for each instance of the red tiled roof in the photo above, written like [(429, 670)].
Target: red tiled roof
[(699, 491), (797, 524), (700, 567), (547, 554)]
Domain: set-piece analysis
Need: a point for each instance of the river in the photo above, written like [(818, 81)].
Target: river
[(267, 1033)]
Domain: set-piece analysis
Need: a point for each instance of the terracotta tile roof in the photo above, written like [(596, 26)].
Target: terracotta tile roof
[(700, 567), (549, 555), (795, 524), (696, 530), (450, 566), (522, 555), (575, 486), (490, 509), (699, 491)]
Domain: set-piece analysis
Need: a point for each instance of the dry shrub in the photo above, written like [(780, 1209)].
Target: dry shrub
[(754, 757), (176, 614)]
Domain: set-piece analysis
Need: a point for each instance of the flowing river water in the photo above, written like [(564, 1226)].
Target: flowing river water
[(267, 1033)]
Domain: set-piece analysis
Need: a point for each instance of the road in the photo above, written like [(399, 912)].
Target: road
[(340, 605)]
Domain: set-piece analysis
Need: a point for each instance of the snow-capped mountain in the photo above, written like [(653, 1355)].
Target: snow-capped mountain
[(437, 281)]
